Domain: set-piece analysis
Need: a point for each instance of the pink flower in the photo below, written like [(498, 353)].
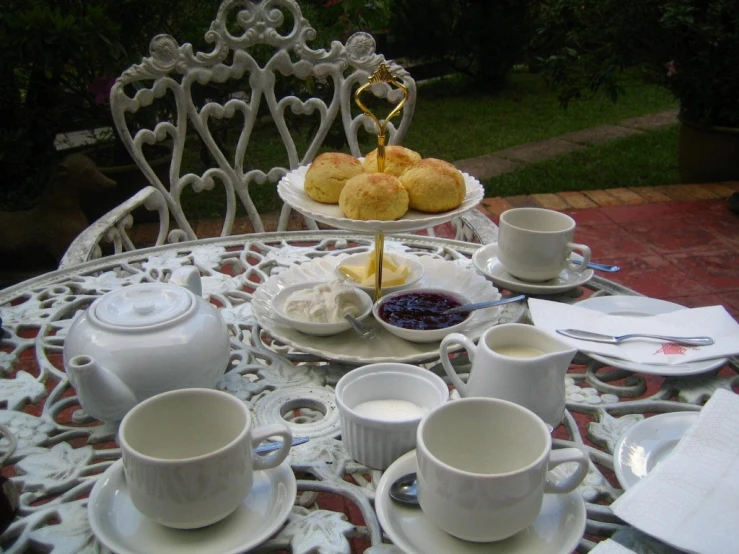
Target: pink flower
[(100, 88), (671, 69)]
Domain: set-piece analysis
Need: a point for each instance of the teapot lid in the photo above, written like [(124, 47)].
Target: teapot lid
[(143, 305)]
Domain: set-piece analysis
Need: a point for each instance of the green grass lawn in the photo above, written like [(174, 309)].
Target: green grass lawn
[(453, 122), (641, 160)]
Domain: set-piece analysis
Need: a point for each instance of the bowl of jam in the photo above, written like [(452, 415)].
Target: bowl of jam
[(418, 315)]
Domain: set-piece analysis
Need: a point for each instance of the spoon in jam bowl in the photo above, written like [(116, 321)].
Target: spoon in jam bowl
[(488, 304)]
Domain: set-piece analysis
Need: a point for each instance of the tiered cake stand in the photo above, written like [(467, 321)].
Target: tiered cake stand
[(291, 189)]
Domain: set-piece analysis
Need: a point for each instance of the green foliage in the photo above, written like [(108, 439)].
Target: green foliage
[(686, 46), (481, 39), (58, 59), (339, 19)]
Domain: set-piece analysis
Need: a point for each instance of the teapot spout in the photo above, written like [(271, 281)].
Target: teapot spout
[(100, 392)]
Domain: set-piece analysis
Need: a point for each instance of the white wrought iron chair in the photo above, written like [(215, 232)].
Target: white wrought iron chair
[(243, 82)]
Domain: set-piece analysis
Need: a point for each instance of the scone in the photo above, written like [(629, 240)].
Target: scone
[(374, 196), (433, 186), (397, 160), (327, 175)]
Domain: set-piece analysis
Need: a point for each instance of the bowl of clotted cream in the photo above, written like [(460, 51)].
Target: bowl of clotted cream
[(319, 307), (399, 271)]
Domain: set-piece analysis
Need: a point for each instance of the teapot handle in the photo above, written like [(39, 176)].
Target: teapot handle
[(189, 277)]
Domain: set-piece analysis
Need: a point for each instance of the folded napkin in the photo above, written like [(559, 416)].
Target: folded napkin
[(691, 499), (713, 321)]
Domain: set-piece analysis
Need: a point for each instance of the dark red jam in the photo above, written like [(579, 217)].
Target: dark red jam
[(421, 310)]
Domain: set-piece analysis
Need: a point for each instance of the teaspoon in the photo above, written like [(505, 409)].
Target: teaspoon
[(488, 304), (362, 329), (405, 489), (600, 267), (276, 445)]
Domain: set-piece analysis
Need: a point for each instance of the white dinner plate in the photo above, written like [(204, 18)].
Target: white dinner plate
[(123, 529), (644, 306), (486, 261), (349, 347), (557, 530), (647, 443), (291, 189)]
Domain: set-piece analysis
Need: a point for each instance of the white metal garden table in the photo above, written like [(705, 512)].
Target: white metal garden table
[(61, 452)]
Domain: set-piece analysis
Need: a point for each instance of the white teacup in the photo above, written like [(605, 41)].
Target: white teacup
[(380, 406), (483, 468), (535, 244), (515, 362), (188, 455)]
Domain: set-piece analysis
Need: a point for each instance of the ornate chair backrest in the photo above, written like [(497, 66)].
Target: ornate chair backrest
[(259, 47)]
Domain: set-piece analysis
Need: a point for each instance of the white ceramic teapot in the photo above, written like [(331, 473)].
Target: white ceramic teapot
[(142, 340)]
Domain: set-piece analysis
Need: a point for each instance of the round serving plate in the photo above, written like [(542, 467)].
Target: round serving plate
[(644, 306), (645, 444), (291, 189), (348, 347)]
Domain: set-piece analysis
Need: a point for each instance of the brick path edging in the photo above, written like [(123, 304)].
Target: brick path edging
[(493, 207)]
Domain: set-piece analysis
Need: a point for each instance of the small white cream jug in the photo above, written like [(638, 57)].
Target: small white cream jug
[(141, 340), (515, 362)]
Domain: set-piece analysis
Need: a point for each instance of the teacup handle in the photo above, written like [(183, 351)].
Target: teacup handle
[(584, 252), (571, 482), (469, 346), (278, 456)]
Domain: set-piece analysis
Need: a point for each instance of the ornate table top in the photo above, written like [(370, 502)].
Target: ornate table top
[(61, 452)]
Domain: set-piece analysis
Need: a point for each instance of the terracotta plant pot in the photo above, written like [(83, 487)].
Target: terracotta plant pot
[(708, 154)]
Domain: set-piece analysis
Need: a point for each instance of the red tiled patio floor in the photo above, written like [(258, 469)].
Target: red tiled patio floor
[(683, 250)]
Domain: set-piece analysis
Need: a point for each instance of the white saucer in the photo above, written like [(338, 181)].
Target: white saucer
[(644, 306), (557, 530), (486, 261), (647, 443), (123, 529)]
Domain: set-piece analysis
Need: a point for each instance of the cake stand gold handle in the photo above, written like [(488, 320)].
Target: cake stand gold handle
[(381, 75)]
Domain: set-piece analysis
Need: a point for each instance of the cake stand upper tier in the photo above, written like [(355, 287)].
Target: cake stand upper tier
[(291, 189)]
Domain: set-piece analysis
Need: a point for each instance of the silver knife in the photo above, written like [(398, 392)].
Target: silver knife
[(610, 339)]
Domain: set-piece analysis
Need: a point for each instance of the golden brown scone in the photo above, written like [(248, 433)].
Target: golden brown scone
[(397, 160), (327, 175), (374, 196), (433, 186)]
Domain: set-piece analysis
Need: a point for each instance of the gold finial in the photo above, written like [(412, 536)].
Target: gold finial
[(381, 75)]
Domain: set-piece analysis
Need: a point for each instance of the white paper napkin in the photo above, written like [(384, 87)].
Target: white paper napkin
[(691, 499), (713, 321)]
